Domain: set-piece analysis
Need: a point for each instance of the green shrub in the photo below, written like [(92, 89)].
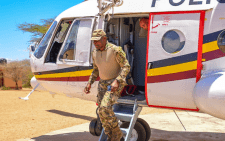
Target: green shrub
[(27, 85), (5, 88), (26, 81)]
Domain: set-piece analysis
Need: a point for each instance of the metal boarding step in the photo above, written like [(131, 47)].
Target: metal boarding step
[(129, 99), (125, 112), (130, 94)]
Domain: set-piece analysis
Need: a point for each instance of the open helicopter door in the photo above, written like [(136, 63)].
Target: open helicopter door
[(174, 52), (77, 53)]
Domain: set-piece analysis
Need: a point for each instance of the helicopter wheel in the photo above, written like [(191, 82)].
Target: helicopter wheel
[(138, 133), (147, 128), (94, 128)]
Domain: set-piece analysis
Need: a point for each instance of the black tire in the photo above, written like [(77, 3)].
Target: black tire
[(147, 128), (98, 128), (92, 126), (139, 128)]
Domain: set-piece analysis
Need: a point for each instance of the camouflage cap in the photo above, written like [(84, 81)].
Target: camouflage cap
[(98, 34)]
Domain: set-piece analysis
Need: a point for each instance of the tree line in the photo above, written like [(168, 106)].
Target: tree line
[(21, 70), (17, 71)]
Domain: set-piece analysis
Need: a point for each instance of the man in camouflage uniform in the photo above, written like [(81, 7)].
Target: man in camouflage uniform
[(111, 65)]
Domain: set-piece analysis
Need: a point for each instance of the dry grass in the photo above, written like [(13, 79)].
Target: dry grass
[(42, 114)]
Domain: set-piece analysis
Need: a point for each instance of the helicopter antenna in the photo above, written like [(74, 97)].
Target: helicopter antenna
[(179, 120)]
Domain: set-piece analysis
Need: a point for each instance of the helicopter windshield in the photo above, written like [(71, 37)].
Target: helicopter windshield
[(44, 43)]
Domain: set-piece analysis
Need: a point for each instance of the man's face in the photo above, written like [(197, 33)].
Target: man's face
[(100, 44), (144, 24)]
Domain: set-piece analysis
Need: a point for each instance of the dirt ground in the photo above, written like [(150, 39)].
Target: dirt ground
[(42, 113)]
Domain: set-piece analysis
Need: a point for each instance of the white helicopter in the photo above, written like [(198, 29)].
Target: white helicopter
[(178, 63)]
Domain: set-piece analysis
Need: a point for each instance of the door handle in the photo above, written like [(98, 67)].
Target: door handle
[(150, 65)]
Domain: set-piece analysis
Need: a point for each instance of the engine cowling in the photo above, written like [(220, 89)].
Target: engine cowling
[(209, 94)]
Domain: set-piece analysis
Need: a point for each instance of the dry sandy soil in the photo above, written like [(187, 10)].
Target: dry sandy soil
[(42, 113)]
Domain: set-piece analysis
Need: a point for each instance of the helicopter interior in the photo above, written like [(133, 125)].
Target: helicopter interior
[(127, 33)]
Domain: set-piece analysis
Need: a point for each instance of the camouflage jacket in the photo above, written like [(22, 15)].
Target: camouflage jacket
[(121, 60)]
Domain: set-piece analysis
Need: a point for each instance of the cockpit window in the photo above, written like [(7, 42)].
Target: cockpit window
[(70, 44), (59, 38), (44, 43)]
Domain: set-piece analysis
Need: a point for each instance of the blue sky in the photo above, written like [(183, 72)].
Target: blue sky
[(13, 42)]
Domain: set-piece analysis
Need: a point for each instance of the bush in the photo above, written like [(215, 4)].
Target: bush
[(27, 85), (5, 88), (26, 80)]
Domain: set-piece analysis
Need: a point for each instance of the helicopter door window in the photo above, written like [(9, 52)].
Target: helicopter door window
[(70, 43), (173, 41), (44, 42), (221, 41), (58, 41), (76, 48), (83, 40)]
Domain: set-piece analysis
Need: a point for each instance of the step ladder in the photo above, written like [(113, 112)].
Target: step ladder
[(128, 113)]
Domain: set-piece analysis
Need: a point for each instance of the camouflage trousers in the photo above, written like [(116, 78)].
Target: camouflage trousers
[(106, 99)]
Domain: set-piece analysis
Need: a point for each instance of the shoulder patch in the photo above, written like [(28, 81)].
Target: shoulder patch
[(119, 50)]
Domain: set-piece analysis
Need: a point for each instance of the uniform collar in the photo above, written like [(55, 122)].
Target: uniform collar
[(106, 47)]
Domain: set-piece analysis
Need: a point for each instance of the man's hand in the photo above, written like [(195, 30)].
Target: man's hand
[(87, 88), (114, 86)]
